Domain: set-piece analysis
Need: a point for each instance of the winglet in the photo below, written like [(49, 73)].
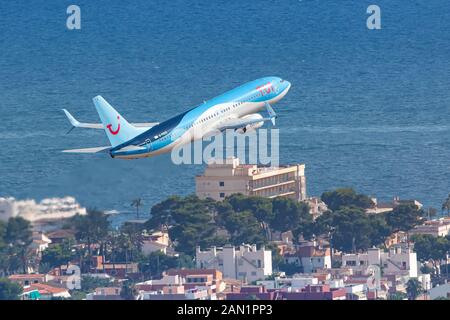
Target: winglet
[(271, 113), (74, 122)]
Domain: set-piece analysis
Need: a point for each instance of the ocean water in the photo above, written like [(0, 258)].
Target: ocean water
[(367, 108)]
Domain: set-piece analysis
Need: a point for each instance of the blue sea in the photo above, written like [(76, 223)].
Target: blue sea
[(368, 109)]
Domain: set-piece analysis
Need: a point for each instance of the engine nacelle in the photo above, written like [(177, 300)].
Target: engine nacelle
[(253, 126)]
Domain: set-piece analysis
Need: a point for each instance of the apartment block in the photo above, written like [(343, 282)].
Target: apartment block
[(246, 263), (398, 260), (223, 179)]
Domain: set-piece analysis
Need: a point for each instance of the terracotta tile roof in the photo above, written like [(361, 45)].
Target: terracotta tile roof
[(25, 276), (45, 288)]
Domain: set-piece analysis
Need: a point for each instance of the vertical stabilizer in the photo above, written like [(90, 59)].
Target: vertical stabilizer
[(116, 127)]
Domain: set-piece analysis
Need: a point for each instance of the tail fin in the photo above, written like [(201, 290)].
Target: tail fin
[(116, 127)]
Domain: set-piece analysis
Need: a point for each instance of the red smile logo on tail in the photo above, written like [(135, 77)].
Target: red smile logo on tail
[(114, 132)]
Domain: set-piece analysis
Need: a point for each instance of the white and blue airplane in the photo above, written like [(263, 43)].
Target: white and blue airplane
[(235, 109)]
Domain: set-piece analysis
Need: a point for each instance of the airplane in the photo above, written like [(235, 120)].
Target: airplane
[(235, 109)]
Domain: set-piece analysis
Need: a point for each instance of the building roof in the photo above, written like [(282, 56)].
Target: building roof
[(189, 272), (45, 288), (61, 234), (26, 276)]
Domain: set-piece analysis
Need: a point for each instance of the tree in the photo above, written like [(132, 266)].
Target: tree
[(161, 213), (58, 254), (261, 209), (431, 213), (289, 214), (91, 228), (128, 291), (244, 228), (137, 204), (352, 230), (380, 230), (404, 217), (413, 288), (18, 239), (446, 205), (189, 220), (397, 296), (430, 248), (344, 197), (290, 268), (133, 234), (3, 249), (156, 262), (9, 290)]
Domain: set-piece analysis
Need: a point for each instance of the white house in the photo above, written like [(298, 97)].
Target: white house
[(442, 291), (246, 263), (399, 260), (157, 241), (294, 283), (310, 257)]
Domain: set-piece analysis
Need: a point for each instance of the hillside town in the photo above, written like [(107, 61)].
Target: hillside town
[(249, 233)]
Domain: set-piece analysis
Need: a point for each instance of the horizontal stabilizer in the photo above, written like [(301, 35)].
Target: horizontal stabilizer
[(74, 122), (77, 124), (89, 150)]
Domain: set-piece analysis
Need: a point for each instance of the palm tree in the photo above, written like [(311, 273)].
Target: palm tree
[(91, 228), (137, 203), (446, 205), (133, 237)]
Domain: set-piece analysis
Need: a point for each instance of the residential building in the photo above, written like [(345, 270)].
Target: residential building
[(382, 207), (47, 292), (28, 279), (61, 235), (223, 179), (440, 291), (157, 241), (316, 206), (395, 238), (436, 228), (355, 292), (40, 242), (192, 284), (246, 263), (398, 260), (105, 293), (295, 282), (252, 292), (316, 292), (309, 257), (118, 270)]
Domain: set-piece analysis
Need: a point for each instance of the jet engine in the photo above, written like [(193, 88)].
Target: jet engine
[(253, 126)]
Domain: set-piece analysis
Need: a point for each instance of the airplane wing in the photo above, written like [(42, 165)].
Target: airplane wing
[(76, 124), (239, 123), (89, 150)]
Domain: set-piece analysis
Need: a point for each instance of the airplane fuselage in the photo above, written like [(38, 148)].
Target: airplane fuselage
[(195, 123)]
